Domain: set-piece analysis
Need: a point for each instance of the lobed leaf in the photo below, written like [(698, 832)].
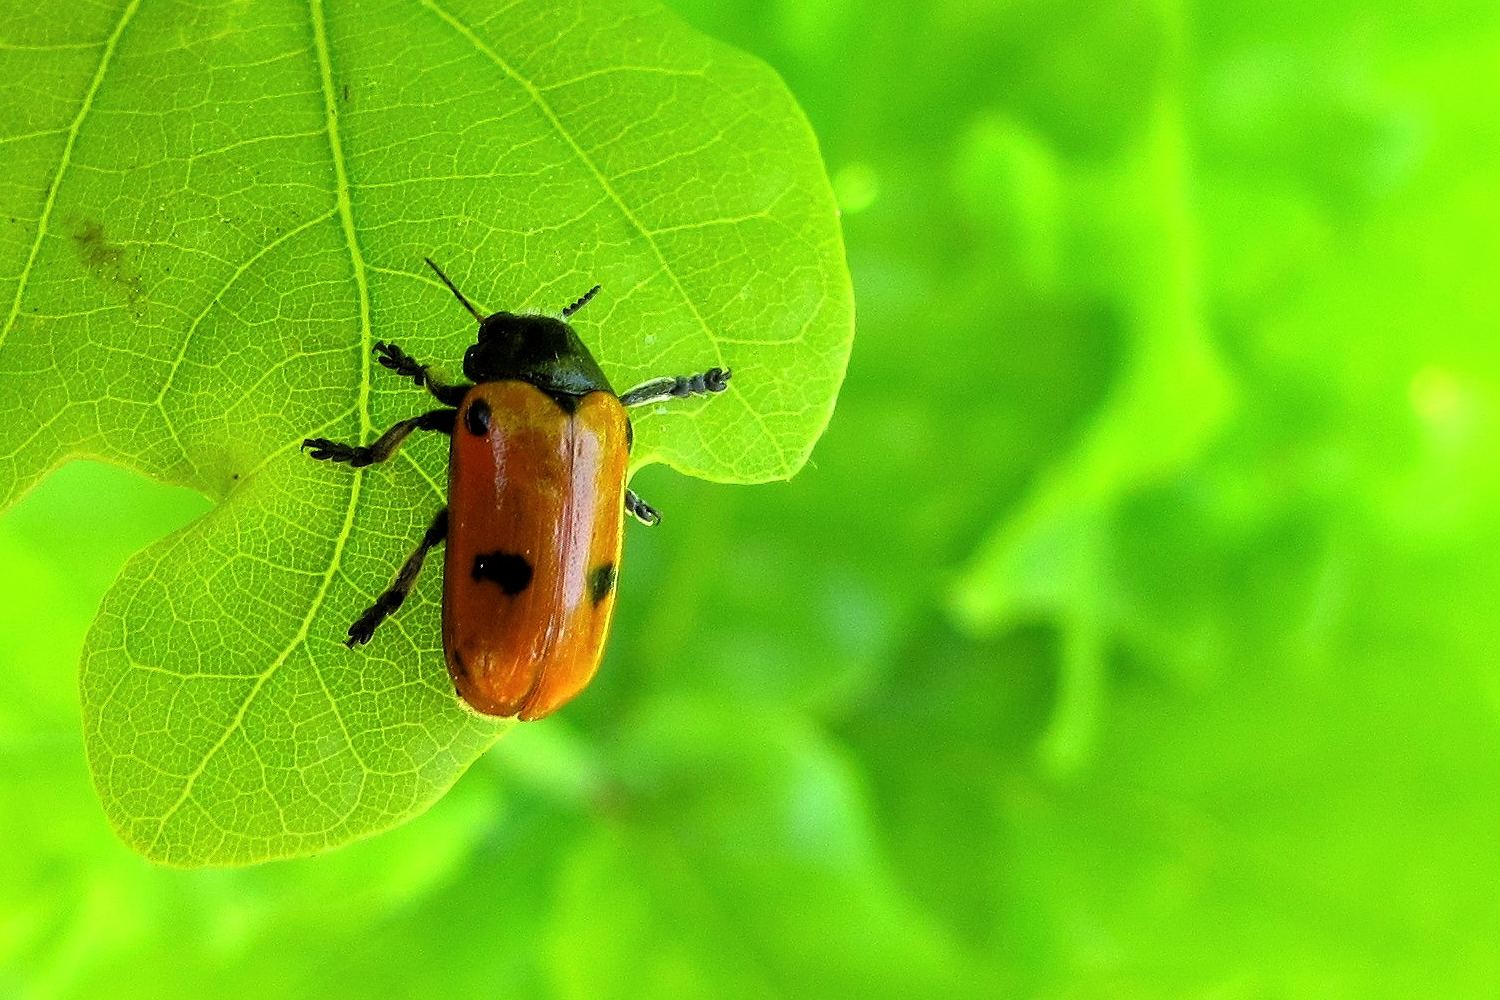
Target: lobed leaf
[(214, 211)]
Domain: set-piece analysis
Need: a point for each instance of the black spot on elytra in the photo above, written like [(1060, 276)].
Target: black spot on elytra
[(459, 664), (510, 571), (477, 418), (601, 582)]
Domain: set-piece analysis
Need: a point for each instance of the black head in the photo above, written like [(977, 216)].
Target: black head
[(538, 349), (541, 350)]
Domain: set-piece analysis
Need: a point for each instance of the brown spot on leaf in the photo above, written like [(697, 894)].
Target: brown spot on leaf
[(104, 259)]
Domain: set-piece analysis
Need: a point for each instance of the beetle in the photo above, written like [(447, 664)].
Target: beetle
[(537, 499)]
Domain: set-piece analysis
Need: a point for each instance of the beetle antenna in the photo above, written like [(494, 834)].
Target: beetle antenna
[(581, 302), (460, 295)]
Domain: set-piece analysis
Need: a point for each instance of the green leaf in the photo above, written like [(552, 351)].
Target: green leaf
[(779, 891), (1173, 396), (213, 212)]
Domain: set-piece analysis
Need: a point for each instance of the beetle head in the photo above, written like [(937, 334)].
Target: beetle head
[(538, 349), (541, 350)]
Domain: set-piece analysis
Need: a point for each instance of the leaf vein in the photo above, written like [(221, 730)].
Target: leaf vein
[(84, 107), (213, 300), (540, 100)]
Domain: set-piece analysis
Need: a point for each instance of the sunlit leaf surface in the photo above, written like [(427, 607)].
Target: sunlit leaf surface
[(217, 210)]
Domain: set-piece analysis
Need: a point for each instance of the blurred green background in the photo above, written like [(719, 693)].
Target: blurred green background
[(1130, 635)]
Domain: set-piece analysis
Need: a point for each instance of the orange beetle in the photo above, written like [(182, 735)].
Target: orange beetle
[(536, 506)]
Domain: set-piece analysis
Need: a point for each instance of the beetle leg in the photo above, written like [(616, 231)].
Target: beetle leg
[(385, 446), (643, 511), (403, 364), (680, 387), (386, 604), (581, 302)]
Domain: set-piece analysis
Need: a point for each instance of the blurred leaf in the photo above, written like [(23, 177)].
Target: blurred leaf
[(215, 211), (765, 882), (1049, 558)]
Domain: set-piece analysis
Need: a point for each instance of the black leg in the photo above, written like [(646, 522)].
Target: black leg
[(658, 389), (403, 364), (643, 511), (581, 302), (385, 446), (386, 604)]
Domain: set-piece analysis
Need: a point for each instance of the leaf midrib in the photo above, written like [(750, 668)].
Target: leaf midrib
[(346, 218)]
